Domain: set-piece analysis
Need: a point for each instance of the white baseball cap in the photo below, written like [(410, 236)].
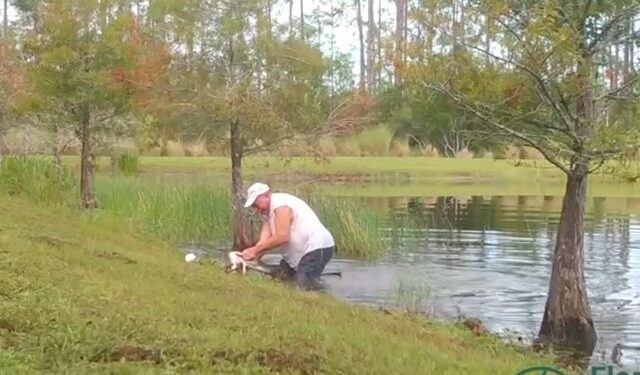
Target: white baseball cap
[(253, 191)]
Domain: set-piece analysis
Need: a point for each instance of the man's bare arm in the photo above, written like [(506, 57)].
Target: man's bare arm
[(265, 233), (283, 224)]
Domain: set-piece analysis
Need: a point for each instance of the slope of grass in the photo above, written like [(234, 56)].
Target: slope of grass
[(80, 298)]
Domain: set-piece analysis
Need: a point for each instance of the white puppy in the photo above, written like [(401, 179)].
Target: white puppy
[(236, 260)]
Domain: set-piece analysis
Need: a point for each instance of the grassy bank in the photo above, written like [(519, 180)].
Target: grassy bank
[(415, 166), (77, 299), (181, 211)]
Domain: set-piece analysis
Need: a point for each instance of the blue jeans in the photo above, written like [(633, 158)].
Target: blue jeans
[(310, 267)]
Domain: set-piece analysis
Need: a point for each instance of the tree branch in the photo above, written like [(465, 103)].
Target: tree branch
[(541, 86), (613, 93), (516, 134), (598, 166), (606, 28), (626, 38)]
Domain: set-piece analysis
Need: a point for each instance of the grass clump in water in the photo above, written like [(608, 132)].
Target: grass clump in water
[(354, 228), (127, 164)]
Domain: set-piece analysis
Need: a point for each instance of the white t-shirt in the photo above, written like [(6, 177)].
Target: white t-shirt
[(307, 233)]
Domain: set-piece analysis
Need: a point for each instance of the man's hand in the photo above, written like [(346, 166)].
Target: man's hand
[(249, 253), (283, 219)]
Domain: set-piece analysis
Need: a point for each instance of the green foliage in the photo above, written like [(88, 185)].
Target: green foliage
[(35, 179), (128, 164), (375, 141), (73, 64)]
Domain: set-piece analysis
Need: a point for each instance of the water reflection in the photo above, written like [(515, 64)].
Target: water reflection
[(490, 257)]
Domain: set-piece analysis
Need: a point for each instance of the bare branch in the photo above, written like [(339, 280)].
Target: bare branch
[(541, 86), (598, 166), (606, 28), (626, 38), (613, 93), (516, 134)]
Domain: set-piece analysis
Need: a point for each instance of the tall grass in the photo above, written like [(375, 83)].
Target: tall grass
[(194, 212), (355, 229), (189, 212), (202, 213), (375, 141), (127, 164), (36, 179)]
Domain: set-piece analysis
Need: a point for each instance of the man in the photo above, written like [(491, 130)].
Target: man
[(289, 223)]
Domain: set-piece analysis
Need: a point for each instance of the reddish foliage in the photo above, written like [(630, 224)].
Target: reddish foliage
[(13, 79), (146, 77)]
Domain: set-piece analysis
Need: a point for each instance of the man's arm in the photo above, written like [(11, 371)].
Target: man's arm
[(265, 232), (281, 235), (283, 224)]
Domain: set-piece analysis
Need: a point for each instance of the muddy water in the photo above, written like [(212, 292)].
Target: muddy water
[(490, 258)]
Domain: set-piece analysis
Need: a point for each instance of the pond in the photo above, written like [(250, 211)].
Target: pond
[(490, 258)]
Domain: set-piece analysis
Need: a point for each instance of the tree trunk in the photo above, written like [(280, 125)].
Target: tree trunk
[(361, 37), (241, 225), (567, 315), (487, 40), (379, 46), (371, 48), (57, 152), (302, 19), (290, 18), (86, 162), (5, 20), (397, 58)]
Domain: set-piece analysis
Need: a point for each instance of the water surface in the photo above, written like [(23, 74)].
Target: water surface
[(490, 258)]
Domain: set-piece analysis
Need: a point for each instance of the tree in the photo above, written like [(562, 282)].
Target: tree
[(251, 83), (361, 83), (549, 93), (73, 57)]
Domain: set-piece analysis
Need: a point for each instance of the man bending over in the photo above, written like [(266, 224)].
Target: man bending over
[(290, 224)]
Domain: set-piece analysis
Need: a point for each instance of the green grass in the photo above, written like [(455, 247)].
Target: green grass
[(75, 295), (201, 212), (417, 168), (36, 179), (178, 213), (191, 212)]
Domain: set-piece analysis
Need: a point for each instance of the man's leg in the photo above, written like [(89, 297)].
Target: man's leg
[(284, 271), (311, 266)]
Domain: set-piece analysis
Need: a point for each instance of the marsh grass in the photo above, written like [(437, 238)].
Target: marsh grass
[(200, 212), (36, 179), (128, 164), (179, 213), (412, 297), (355, 228), (192, 212)]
